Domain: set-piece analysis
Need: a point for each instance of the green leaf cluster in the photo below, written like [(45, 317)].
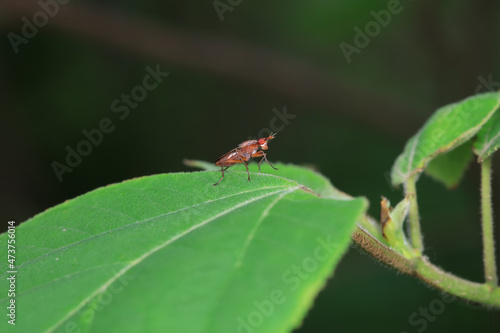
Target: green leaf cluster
[(442, 146)]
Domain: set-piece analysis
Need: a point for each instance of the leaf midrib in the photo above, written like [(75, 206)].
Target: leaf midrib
[(135, 262), (142, 221)]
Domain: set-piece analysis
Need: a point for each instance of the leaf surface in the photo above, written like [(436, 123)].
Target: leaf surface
[(450, 167), (303, 175), (172, 253)]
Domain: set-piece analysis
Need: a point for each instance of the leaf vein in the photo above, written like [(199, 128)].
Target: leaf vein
[(150, 252), (244, 249), (143, 221)]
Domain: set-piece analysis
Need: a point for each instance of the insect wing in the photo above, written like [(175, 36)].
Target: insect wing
[(226, 155)]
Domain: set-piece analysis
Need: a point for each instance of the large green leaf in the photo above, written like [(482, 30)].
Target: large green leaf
[(488, 138), (448, 128), (172, 253)]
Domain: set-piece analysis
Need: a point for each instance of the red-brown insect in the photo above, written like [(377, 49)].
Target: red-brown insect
[(241, 154)]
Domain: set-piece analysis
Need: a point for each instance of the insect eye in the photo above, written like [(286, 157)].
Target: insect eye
[(261, 141)]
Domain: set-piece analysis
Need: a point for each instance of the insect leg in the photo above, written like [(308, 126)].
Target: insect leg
[(259, 154), (246, 166), (222, 170), (265, 158)]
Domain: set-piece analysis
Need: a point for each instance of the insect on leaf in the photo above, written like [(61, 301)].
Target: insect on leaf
[(172, 253)]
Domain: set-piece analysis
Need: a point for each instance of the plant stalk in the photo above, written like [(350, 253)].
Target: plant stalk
[(490, 270), (432, 275), (415, 233)]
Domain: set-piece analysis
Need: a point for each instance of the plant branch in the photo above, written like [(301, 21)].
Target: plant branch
[(432, 275), (383, 253), (372, 227), (490, 269), (415, 233)]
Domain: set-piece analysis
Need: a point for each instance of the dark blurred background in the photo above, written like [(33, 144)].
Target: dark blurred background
[(233, 67)]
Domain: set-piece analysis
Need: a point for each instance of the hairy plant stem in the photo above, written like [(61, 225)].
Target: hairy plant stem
[(490, 270), (432, 275), (415, 233)]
